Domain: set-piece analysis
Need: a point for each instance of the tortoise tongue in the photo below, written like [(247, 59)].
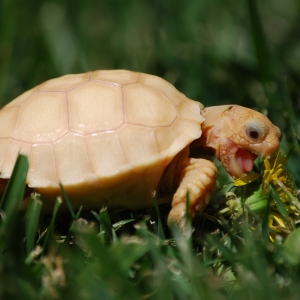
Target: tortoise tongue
[(245, 160)]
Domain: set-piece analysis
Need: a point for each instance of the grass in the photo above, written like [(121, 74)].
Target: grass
[(245, 245), (230, 258)]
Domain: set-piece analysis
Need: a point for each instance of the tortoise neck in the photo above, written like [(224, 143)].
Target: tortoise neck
[(212, 115)]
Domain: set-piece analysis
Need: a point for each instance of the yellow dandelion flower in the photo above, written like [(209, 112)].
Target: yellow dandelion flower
[(277, 186), (274, 170), (278, 176)]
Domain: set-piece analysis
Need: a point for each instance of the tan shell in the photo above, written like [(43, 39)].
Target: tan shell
[(103, 134)]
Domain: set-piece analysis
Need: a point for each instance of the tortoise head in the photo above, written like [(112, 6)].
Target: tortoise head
[(238, 135)]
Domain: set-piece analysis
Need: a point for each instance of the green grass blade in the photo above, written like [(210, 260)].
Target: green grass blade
[(66, 198), (105, 264), (279, 204), (120, 224), (106, 228), (71, 229), (49, 234), (160, 230), (14, 191), (134, 248), (265, 220), (32, 221)]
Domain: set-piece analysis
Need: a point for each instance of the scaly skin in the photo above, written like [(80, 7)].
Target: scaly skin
[(236, 135), (199, 181)]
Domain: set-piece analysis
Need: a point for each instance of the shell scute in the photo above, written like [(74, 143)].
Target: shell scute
[(72, 161), (8, 116), (190, 110), (144, 106), (43, 118), (168, 141), (118, 77), (21, 99), (64, 83), (13, 148), (138, 151), (186, 129), (106, 155), (160, 85), (4, 145), (95, 107), (42, 166)]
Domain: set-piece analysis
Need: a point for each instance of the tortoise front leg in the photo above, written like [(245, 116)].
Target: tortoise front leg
[(198, 180)]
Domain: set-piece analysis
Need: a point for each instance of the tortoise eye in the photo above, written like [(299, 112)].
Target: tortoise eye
[(255, 132)]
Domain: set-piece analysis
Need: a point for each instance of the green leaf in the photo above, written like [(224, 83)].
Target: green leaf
[(258, 201), (279, 204), (291, 248), (246, 179)]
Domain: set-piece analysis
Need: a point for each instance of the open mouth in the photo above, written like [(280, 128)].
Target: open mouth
[(239, 162), (245, 160)]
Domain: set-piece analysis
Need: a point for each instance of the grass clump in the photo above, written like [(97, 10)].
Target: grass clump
[(97, 258)]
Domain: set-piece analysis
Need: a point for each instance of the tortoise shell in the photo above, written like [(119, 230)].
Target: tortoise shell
[(102, 135)]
